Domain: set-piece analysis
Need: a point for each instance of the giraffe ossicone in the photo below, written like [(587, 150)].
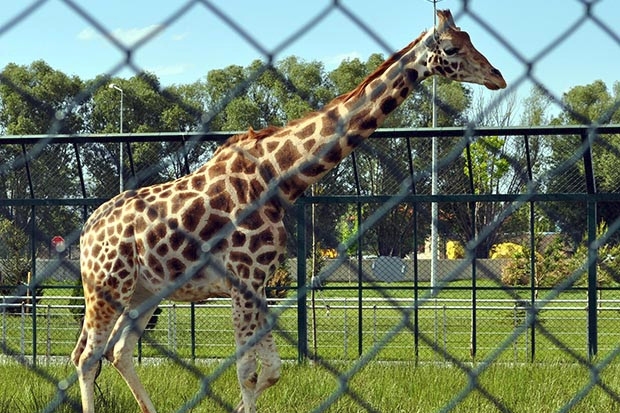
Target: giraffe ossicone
[(219, 232)]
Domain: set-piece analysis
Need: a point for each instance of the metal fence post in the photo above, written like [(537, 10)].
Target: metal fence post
[(302, 325), (48, 340), (22, 338), (174, 327), (533, 274), (473, 255), (587, 138), (592, 281), (4, 303), (192, 321), (345, 330)]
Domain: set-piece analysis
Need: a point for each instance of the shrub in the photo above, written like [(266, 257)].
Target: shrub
[(347, 228), (454, 250), (607, 264), (551, 265), (279, 283), (505, 250)]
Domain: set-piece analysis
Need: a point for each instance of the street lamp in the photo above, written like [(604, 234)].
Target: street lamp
[(120, 162), (434, 178)]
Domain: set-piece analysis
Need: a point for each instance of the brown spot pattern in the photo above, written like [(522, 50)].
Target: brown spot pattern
[(193, 214), (307, 131), (287, 156)]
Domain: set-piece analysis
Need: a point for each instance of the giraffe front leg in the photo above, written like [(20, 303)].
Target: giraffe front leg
[(246, 320), (270, 364), (247, 376)]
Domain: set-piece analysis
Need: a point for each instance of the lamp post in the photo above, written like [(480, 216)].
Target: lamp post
[(434, 178), (120, 162)]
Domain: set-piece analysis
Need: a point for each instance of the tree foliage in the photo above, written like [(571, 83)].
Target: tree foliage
[(36, 99), (585, 103), (15, 260)]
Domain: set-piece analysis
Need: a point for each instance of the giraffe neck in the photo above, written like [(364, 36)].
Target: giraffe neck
[(326, 137), (302, 152)]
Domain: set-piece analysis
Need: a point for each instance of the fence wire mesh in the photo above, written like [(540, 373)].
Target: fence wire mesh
[(358, 288)]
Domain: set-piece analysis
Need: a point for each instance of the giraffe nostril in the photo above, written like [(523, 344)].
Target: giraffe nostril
[(496, 72)]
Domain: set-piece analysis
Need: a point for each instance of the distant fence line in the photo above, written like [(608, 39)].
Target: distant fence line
[(376, 269), (445, 319)]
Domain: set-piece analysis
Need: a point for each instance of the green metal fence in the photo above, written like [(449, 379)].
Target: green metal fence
[(350, 299)]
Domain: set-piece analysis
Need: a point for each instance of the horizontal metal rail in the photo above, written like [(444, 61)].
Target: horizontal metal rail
[(379, 133)]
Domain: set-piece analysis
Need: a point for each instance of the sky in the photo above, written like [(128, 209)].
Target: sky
[(181, 41)]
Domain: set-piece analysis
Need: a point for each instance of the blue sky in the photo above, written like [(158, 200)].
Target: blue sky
[(184, 50)]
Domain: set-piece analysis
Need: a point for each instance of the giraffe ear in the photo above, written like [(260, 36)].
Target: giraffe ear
[(445, 21)]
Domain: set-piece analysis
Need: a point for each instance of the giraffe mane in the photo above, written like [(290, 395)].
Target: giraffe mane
[(251, 134), (359, 90)]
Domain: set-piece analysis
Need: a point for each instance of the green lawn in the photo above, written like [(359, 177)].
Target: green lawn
[(376, 387), (395, 375)]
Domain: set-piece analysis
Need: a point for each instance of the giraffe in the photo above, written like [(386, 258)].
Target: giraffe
[(219, 232)]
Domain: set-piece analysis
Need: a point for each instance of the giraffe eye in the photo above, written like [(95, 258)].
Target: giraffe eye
[(452, 51)]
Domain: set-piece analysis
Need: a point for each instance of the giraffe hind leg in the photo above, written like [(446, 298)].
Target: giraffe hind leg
[(270, 366), (91, 347), (122, 355)]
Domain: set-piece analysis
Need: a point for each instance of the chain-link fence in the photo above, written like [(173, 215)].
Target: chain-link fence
[(524, 270)]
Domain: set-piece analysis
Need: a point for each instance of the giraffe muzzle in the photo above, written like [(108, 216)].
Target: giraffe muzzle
[(497, 80)]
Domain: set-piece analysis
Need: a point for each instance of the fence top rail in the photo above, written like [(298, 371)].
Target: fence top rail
[(380, 133)]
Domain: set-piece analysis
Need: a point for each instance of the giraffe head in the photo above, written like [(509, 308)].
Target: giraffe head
[(451, 54)]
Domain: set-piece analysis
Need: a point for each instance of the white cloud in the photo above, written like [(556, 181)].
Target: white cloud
[(171, 70), (87, 34), (332, 62), (180, 36), (133, 35), (126, 36)]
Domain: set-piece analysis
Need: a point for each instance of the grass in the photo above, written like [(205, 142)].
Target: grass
[(391, 382), (377, 387)]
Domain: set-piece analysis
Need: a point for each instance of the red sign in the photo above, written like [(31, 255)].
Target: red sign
[(58, 243)]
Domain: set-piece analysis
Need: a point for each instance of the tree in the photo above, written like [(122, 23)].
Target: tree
[(184, 113), (494, 165), (535, 108), (585, 104), (14, 253), (147, 107), (36, 99)]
